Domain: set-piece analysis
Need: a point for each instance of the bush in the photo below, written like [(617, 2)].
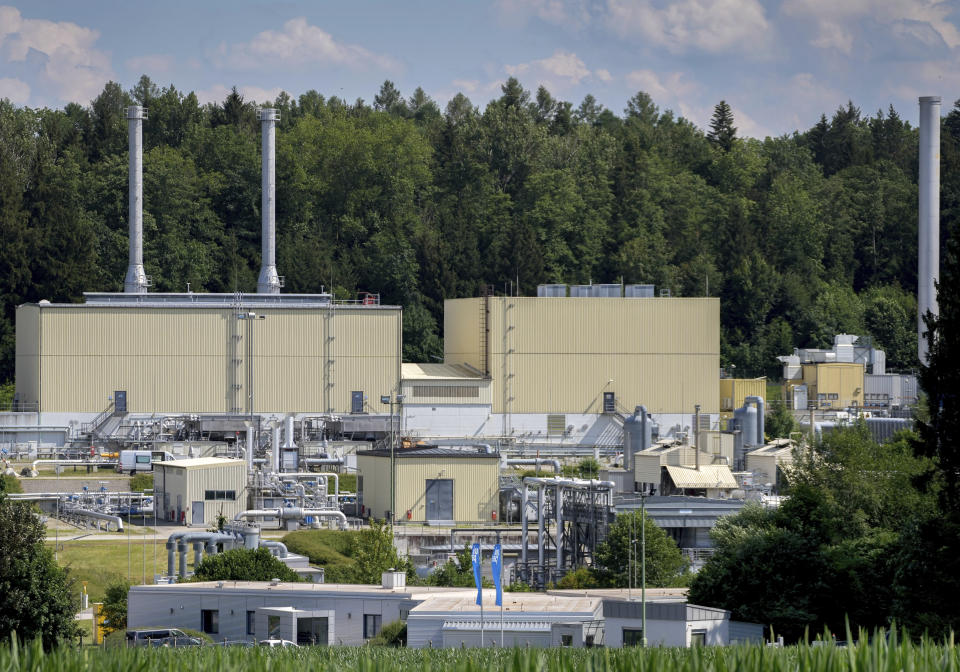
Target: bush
[(10, 484), (584, 577), (392, 634), (141, 482), (115, 605), (241, 564)]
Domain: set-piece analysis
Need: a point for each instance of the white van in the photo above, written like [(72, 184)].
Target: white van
[(133, 461)]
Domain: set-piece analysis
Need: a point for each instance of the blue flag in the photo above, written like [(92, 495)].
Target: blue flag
[(496, 566), (475, 555)]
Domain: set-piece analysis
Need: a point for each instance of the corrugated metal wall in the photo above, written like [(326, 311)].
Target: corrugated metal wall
[(476, 485), (27, 359), (172, 360), (733, 391), (551, 355)]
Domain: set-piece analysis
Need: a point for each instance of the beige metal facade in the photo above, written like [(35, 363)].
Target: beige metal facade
[(559, 355), (733, 391), (71, 358), (443, 385), (831, 385), (476, 485), (217, 485)]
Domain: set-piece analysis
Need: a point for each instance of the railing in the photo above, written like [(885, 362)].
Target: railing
[(20, 407), (92, 426)]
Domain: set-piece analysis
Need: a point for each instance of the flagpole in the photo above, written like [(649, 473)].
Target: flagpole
[(501, 599), (481, 622)]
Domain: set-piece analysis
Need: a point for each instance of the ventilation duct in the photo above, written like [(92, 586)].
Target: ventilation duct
[(928, 267)]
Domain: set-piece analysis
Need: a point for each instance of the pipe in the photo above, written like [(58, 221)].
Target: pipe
[(761, 410), (541, 523), (136, 281), (578, 483), (116, 520), (293, 513), (536, 462), (303, 475), (249, 455), (275, 436), (558, 533), (269, 281), (307, 461), (928, 262), (288, 441), (524, 527), (696, 436), (279, 546)]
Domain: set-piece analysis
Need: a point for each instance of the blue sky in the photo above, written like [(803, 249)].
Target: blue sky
[(779, 63)]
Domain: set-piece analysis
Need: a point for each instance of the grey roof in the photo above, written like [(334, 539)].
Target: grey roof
[(239, 301), (662, 611), (434, 451)]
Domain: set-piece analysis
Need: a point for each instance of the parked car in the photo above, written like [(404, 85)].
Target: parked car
[(277, 642), (153, 636)]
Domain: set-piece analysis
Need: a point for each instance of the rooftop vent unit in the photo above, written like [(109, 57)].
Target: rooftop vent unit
[(551, 290), (581, 290), (639, 291), (607, 291)]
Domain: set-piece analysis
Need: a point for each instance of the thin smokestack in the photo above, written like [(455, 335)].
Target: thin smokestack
[(928, 270), (269, 281), (136, 281)]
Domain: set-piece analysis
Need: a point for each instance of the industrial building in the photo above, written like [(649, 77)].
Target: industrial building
[(565, 369), (435, 485), (318, 614), (768, 464), (200, 490), (831, 379)]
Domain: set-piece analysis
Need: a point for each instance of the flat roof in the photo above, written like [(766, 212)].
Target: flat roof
[(541, 603), (237, 301), (653, 594), (423, 371), (196, 462), (318, 589), (473, 451)]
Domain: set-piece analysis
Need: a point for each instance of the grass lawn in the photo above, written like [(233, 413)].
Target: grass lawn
[(100, 563), (330, 549)]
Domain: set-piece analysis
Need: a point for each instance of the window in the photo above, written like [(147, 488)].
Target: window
[(273, 627), (633, 636), (371, 625), (210, 621), (833, 395), (566, 640), (698, 638), (143, 459), (220, 495), (251, 622), (447, 391)]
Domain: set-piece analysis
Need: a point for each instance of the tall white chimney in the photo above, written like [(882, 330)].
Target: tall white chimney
[(269, 281), (136, 281), (928, 270)]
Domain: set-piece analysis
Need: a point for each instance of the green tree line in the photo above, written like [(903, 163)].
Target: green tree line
[(801, 236)]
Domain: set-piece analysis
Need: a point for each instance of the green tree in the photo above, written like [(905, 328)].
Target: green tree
[(615, 557), (115, 605), (141, 482), (457, 572), (722, 131), (780, 423), (241, 564), (35, 592), (374, 553)]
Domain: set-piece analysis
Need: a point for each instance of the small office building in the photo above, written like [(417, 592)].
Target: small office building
[(199, 490), (437, 485)]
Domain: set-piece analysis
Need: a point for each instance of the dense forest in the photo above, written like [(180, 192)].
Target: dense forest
[(800, 236)]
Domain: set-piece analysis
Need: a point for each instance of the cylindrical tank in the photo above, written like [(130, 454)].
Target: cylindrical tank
[(745, 419), (637, 435)]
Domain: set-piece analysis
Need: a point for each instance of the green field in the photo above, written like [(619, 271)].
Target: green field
[(100, 563), (876, 656)]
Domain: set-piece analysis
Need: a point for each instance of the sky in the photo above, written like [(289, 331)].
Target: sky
[(780, 64)]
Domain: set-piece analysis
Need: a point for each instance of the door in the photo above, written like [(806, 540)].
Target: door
[(197, 519), (609, 402), (439, 498), (356, 402)]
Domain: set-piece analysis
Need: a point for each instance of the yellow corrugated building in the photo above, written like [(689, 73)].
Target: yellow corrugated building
[(831, 385), (434, 484), (183, 357), (201, 488), (733, 391), (560, 355)]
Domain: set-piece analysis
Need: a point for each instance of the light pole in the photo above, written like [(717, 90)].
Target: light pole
[(391, 400), (643, 568)]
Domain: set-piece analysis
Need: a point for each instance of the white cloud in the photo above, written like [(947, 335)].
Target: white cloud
[(16, 90), (153, 64), (707, 25), (299, 43), (558, 72), (672, 88), (603, 75), (73, 66), (218, 92), (838, 17), (567, 13)]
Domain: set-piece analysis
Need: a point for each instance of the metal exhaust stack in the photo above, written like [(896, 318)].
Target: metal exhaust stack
[(928, 271), (269, 282), (136, 281)]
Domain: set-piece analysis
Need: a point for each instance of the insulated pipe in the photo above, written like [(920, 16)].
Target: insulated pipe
[(307, 461), (578, 483), (249, 425), (136, 280), (524, 497), (305, 475), (928, 266), (116, 520), (288, 432), (197, 553), (269, 281), (761, 407), (275, 436), (558, 533), (182, 548), (293, 513), (279, 547), (536, 462), (541, 524)]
